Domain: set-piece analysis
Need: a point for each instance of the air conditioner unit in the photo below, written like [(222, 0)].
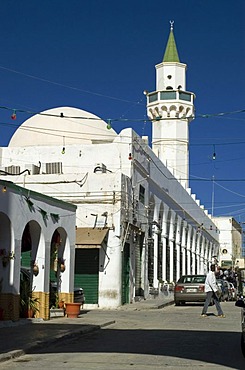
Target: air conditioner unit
[(33, 169), (54, 168), (13, 170)]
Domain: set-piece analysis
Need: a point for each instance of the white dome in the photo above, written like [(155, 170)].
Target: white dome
[(49, 128)]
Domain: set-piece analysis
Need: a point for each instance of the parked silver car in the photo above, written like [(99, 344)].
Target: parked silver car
[(190, 288), (241, 303)]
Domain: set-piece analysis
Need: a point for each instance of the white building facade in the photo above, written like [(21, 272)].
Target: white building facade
[(29, 224), (230, 243), (138, 224)]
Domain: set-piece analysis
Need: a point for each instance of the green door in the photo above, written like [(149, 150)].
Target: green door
[(87, 273), (26, 259), (139, 292), (125, 274)]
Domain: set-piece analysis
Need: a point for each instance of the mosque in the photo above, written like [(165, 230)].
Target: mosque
[(136, 222)]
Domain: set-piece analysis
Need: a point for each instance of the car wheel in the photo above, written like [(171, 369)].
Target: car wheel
[(177, 303), (242, 345)]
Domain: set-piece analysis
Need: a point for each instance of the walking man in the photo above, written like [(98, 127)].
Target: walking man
[(211, 289)]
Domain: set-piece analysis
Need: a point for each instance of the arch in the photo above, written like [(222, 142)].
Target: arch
[(5, 235), (30, 242), (164, 111), (6, 251), (156, 112), (173, 110), (59, 259), (32, 258)]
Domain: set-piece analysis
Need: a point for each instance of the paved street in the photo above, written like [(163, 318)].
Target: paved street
[(171, 337)]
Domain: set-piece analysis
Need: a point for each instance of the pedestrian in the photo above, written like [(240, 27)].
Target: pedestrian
[(211, 290)]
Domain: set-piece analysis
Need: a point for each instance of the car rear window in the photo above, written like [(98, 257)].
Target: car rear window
[(192, 279)]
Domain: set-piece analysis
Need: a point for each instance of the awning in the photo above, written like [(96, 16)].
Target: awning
[(89, 237)]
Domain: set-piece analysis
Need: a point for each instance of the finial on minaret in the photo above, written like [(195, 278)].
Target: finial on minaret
[(171, 25)]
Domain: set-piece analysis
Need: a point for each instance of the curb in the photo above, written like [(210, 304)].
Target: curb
[(12, 354), (20, 352), (166, 304), (153, 307)]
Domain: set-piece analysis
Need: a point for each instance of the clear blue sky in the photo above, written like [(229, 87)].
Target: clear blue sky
[(100, 55)]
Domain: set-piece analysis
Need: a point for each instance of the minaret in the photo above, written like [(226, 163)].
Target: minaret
[(170, 108)]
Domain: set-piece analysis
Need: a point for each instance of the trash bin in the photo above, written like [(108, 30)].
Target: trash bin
[(79, 296)]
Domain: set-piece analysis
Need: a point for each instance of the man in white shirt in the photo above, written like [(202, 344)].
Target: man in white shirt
[(211, 291)]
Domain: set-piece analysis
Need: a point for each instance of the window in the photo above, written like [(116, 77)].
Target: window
[(185, 96), (152, 97), (142, 194), (168, 95)]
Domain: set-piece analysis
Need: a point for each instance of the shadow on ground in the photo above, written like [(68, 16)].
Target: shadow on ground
[(193, 345)]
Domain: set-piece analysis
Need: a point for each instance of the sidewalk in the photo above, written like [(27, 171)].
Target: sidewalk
[(18, 338)]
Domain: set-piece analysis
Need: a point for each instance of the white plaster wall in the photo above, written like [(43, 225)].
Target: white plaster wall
[(110, 278), (14, 205), (230, 239), (176, 70)]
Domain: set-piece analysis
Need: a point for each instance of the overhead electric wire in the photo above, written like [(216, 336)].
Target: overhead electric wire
[(66, 86), (143, 119)]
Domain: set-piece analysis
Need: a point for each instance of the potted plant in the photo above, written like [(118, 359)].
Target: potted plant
[(62, 264), (35, 268), (28, 304), (57, 309), (6, 257), (72, 309)]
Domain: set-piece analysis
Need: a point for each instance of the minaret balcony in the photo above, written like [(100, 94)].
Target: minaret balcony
[(170, 95)]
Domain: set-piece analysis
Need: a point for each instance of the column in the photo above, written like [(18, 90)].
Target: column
[(155, 231), (178, 246), (198, 250), (188, 250), (164, 243), (155, 266), (171, 244), (183, 247), (193, 251), (164, 246)]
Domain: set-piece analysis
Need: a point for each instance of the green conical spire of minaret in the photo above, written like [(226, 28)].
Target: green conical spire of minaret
[(171, 53)]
